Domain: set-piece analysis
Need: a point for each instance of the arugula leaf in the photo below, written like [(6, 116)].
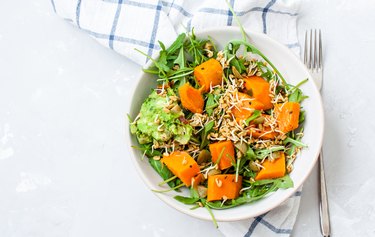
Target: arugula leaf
[(243, 32), (294, 142), (162, 61), (194, 192), (248, 196), (162, 46), (255, 115), (178, 43), (186, 200), (263, 153), (146, 148), (260, 189), (207, 129), (180, 60), (250, 154), (302, 115), (285, 182), (210, 104), (207, 206), (235, 62), (196, 48), (248, 173), (251, 48), (164, 172), (156, 63), (151, 70), (297, 96)]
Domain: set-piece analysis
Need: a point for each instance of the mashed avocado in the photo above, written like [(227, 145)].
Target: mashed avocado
[(159, 120)]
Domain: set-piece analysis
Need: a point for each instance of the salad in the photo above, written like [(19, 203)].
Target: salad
[(223, 123)]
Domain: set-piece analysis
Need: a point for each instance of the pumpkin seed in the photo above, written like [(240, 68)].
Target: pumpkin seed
[(176, 109), (202, 191), (236, 73), (259, 120), (275, 155), (203, 157), (253, 166), (241, 146), (213, 172)]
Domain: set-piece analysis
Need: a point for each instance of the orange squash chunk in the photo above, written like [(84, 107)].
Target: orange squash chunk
[(209, 73), (223, 186), (287, 116), (198, 179), (272, 169), (265, 133), (182, 165), (260, 90), (223, 151), (191, 98), (245, 107)]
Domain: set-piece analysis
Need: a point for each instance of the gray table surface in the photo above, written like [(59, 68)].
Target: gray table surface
[(64, 169)]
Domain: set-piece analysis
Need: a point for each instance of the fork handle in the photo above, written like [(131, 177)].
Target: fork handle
[(324, 210)]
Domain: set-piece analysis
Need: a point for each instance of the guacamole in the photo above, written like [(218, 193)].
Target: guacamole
[(159, 119)]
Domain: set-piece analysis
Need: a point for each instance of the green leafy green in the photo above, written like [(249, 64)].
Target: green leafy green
[(295, 142), (250, 154), (258, 190), (186, 200), (147, 150), (302, 116), (255, 115), (263, 153), (180, 60), (164, 172), (207, 129), (175, 67), (196, 49), (177, 44), (297, 96), (210, 104)]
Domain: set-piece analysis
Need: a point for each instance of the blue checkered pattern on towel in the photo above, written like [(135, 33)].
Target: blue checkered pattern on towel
[(123, 25)]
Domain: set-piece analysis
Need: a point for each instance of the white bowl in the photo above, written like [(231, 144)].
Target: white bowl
[(294, 71)]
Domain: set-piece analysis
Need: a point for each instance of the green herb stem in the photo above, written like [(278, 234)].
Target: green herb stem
[(168, 190), (167, 180)]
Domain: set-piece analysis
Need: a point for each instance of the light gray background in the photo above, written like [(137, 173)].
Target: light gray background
[(64, 169)]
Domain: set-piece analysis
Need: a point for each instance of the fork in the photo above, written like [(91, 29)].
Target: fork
[(313, 60)]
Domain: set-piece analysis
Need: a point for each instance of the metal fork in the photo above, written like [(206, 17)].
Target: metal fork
[(313, 60)]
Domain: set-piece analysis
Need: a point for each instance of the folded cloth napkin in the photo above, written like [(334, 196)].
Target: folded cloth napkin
[(123, 25)]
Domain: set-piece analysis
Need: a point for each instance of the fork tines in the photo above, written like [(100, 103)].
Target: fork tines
[(313, 49)]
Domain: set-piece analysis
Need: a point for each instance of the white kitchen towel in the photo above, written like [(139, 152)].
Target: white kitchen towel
[(278, 222), (124, 25)]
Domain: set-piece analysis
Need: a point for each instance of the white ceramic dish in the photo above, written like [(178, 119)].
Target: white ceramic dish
[(294, 71)]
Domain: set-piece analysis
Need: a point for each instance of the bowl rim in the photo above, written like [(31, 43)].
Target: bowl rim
[(288, 192)]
